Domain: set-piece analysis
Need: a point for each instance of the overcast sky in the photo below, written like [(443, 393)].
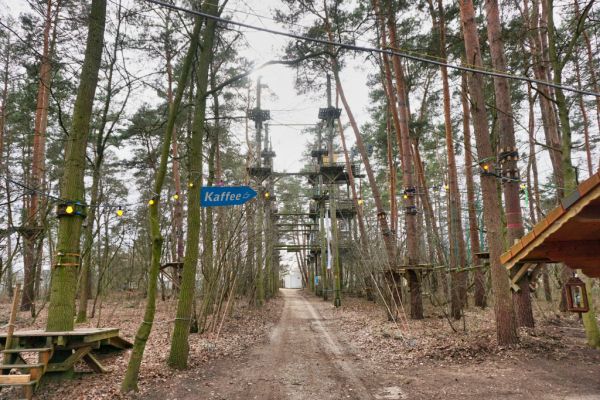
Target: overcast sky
[(287, 107)]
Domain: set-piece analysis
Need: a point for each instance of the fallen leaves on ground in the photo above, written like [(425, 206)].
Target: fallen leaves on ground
[(244, 327), (364, 327)]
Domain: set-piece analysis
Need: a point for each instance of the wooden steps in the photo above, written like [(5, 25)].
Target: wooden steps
[(15, 351), (29, 374), (35, 370), (8, 380)]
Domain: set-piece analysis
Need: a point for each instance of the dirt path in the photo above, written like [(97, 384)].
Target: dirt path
[(308, 356), (303, 360)]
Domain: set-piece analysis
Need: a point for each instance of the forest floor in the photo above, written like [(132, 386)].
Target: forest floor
[(300, 347), (317, 351), (244, 327)]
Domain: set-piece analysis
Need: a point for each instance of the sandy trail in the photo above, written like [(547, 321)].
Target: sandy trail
[(302, 360)]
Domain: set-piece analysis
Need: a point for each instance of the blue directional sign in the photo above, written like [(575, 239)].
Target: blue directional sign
[(223, 196)]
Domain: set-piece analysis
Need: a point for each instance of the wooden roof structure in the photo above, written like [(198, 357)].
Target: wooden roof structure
[(570, 233)]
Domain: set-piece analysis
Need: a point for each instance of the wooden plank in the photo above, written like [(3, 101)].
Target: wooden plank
[(591, 272), (569, 248), (28, 392), (94, 364), (540, 227), (25, 350), (20, 366), (528, 238), (516, 248), (100, 336), (30, 383), (587, 185), (554, 215), (505, 257), (15, 379), (517, 277)]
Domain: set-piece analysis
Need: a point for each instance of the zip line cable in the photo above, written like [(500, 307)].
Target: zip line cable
[(325, 42), (373, 50), (54, 198)]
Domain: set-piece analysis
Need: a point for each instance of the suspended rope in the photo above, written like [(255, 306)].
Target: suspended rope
[(365, 49)]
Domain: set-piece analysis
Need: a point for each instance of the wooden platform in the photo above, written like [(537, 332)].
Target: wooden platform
[(100, 337), (76, 332)]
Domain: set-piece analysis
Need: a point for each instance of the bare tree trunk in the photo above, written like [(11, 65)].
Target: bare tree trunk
[(479, 275), (360, 218), (538, 46), (4, 98), (33, 226), (592, 71), (407, 175), (381, 214), (456, 235), (393, 109), (392, 178), (508, 156), (506, 327)]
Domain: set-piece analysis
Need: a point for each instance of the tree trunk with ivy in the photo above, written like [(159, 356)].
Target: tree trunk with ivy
[(65, 266), (143, 333), (178, 355)]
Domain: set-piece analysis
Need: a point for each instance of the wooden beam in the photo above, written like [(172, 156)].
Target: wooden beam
[(70, 361), (560, 250), (94, 364), (100, 336), (517, 277), (119, 343)]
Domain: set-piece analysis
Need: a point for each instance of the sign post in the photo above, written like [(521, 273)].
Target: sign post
[(225, 196)]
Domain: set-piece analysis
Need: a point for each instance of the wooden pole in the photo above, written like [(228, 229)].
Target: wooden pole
[(11, 323)]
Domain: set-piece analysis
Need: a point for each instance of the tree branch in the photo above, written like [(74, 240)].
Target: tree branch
[(577, 34), (268, 63)]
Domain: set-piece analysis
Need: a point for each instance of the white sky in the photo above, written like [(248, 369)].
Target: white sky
[(288, 142)]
